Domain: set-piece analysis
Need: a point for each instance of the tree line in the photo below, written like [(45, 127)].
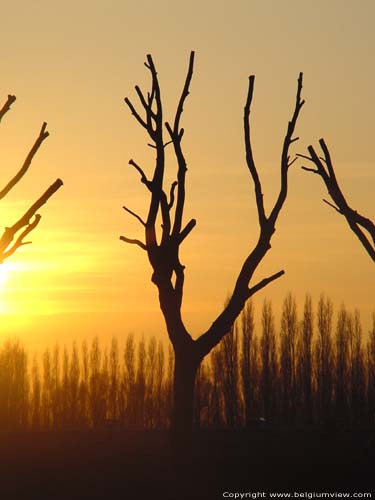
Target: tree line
[(313, 367)]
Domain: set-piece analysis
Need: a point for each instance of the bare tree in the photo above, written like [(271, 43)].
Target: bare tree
[(361, 226), (288, 337), (247, 369), (269, 369), (163, 249), (324, 356), (306, 361), (230, 376), (342, 389), (13, 236), (371, 372)]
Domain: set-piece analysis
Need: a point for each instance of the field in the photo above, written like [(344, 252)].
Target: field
[(115, 463)]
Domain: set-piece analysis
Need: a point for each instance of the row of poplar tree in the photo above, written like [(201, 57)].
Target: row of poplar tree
[(311, 368)]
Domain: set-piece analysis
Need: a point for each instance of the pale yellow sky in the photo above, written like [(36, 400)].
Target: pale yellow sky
[(72, 64)]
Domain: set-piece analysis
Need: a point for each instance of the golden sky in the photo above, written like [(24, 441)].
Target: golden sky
[(72, 63)]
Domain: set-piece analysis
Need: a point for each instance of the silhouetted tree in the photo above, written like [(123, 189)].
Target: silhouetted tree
[(114, 383), (75, 409), (96, 394), (305, 360), (324, 357), (13, 236), (371, 372), (202, 397), (343, 333), (269, 362), (84, 387), (47, 411), (362, 226), (140, 388), (36, 402), (163, 250), (150, 382), (128, 395), (358, 382), (230, 376), (288, 337), (247, 369), (78, 387), (159, 385)]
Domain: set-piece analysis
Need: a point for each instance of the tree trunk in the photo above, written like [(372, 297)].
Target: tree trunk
[(185, 371)]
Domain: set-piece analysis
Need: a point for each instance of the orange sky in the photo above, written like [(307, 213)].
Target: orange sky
[(72, 64)]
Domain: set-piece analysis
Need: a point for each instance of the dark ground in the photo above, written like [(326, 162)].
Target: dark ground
[(123, 464)]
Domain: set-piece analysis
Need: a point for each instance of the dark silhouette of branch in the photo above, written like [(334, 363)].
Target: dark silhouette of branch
[(358, 223), (7, 105), (9, 241), (242, 292), (133, 242), (25, 222), (135, 215), (43, 134)]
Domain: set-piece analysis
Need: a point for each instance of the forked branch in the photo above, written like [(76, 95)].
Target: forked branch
[(168, 272), (362, 227), (242, 292), (7, 105), (25, 224), (43, 134)]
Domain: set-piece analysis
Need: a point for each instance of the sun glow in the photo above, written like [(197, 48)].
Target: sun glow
[(4, 278)]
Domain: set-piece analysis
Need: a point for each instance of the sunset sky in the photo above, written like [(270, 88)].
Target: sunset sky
[(72, 63)]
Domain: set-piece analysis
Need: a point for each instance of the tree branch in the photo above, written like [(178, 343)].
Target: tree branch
[(43, 134), (176, 136), (24, 221), (171, 194), (19, 242), (265, 282), (285, 152), (249, 153), (132, 241), (241, 293), (187, 230), (135, 113), (135, 215), (144, 179), (356, 221), (7, 105)]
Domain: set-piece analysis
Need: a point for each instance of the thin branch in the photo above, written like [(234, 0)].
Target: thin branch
[(176, 136), (313, 170), (264, 283), (184, 94), (145, 104), (332, 205), (249, 153), (43, 134), (144, 179), (291, 162), (285, 152), (24, 221), (171, 194), (19, 242), (135, 113), (300, 155), (135, 215), (133, 242), (7, 105)]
